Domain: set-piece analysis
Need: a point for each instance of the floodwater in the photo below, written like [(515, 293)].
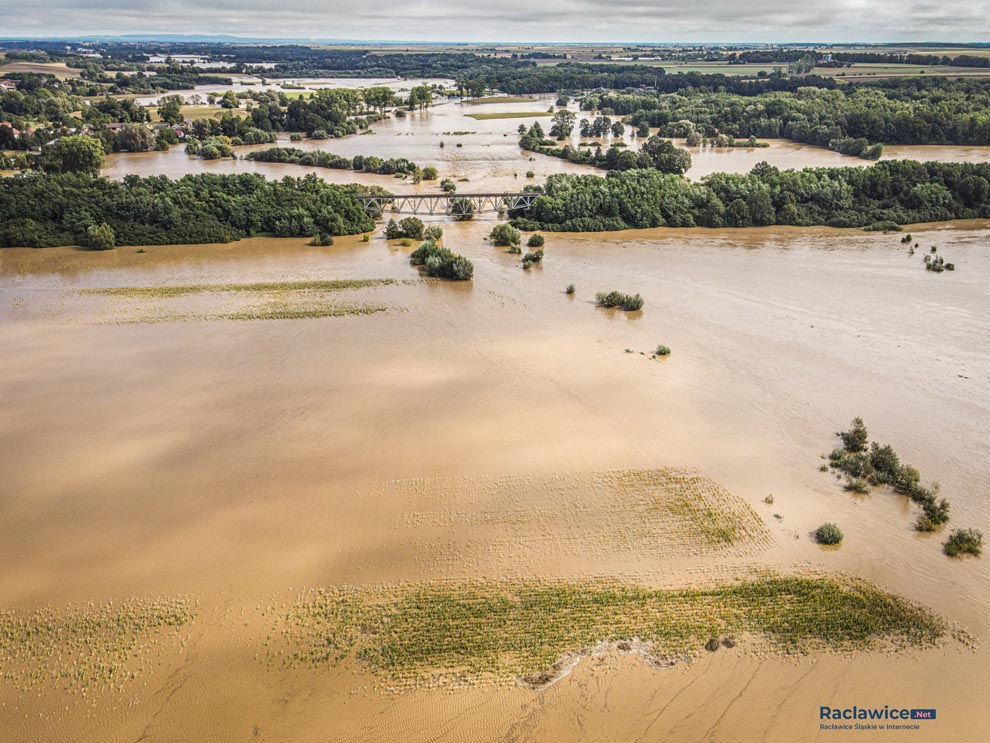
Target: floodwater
[(248, 83), (241, 462), (486, 152)]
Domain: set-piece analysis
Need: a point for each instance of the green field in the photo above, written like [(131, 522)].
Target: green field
[(500, 99), (508, 115), (474, 631)]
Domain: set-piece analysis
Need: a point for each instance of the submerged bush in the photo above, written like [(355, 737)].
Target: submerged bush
[(629, 303), (535, 241), (535, 256), (410, 227), (433, 232), (462, 209), (323, 239), (964, 542), (440, 262), (865, 464), (828, 534), (662, 350), (570, 289), (505, 234), (856, 438)]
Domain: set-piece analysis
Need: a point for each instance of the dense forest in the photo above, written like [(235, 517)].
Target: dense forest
[(363, 163), (79, 209), (785, 56), (888, 193), (656, 151), (948, 113)]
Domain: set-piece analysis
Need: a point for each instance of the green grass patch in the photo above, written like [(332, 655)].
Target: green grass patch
[(500, 99), (311, 312), (508, 115), (179, 290), (84, 646), (472, 631)]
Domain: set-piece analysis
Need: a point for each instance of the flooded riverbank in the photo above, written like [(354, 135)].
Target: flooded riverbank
[(168, 445), (486, 152)]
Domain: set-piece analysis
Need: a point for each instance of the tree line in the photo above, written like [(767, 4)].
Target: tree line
[(363, 163), (882, 196), (80, 209), (850, 121)]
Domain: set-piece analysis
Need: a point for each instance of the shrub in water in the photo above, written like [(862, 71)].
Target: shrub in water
[(412, 227), (828, 534), (462, 209), (535, 241), (570, 289), (964, 542), (534, 257), (629, 303), (441, 262), (322, 239), (663, 350), (505, 234), (433, 232)]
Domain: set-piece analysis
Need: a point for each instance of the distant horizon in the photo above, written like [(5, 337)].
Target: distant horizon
[(165, 36), (515, 22)]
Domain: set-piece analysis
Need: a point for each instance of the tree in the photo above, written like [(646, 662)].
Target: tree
[(229, 100), (421, 96), (462, 209), (134, 138), (412, 227), (667, 158), (505, 234), (78, 153), (563, 124), (856, 438), (165, 139), (170, 110), (100, 237), (379, 97), (761, 210)]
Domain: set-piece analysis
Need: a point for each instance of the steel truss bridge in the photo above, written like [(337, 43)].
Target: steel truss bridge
[(455, 204)]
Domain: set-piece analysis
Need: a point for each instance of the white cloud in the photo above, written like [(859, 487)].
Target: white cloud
[(517, 20)]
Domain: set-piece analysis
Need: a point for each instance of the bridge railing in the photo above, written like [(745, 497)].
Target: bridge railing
[(455, 204)]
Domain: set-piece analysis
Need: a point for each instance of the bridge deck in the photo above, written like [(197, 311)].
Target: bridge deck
[(456, 204)]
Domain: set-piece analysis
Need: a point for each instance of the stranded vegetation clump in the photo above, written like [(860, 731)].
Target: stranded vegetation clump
[(471, 632), (867, 464)]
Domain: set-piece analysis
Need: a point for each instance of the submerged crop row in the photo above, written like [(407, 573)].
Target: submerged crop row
[(471, 632), (85, 646), (280, 300), (177, 290)]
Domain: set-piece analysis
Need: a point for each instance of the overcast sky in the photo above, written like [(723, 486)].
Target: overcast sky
[(514, 20)]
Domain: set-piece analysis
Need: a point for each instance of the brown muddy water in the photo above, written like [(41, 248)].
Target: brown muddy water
[(238, 463), (486, 152)]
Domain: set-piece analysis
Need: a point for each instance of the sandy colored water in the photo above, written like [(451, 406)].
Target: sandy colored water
[(487, 152), (239, 463)]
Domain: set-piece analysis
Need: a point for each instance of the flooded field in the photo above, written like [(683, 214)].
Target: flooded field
[(485, 154), (219, 473), (248, 83)]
